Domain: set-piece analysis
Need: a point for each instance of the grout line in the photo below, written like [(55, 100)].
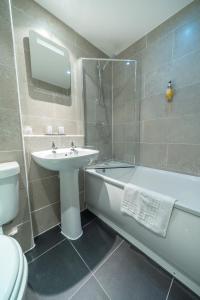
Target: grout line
[(103, 262), (85, 282), (79, 255), (107, 59), (168, 117), (171, 283), (173, 45), (34, 259), (175, 59), (52, 135), (43, 178), (101, 286), (168, 143), (89, 222), (89, 269), (106, 259), (10, 151), (83, 225), (20, 118), (26, 251), (167, 156), (43, 207), (58, 224), (112, 93)]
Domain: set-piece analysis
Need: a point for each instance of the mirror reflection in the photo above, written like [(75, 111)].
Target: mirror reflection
[(49, 61)]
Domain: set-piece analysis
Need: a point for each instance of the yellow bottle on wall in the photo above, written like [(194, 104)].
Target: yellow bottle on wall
[(169, 92)]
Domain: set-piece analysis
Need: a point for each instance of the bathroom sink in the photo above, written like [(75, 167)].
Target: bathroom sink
[(67, 161), (65, 158)]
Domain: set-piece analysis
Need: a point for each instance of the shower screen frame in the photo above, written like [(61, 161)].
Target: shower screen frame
[(107, 61)]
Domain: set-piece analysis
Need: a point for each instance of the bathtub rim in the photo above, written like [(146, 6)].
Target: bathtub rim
[(178, 205)]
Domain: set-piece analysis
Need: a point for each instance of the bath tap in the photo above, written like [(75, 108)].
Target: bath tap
[(53, 147)]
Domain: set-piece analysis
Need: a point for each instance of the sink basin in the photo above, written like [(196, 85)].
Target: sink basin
[(67, 162), (65, 158)]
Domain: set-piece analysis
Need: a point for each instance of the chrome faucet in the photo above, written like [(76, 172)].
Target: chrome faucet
[(53, 147), (73, 148)]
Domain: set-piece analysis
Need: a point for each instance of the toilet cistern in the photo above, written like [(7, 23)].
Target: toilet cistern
[(9, 192)]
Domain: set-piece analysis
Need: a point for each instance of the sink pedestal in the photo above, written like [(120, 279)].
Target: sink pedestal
[(70, 206), (67, 161)]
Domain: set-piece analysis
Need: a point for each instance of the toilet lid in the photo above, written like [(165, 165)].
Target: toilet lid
[(10, 262)]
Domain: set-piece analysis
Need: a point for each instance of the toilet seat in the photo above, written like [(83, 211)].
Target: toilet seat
[(13, 269)]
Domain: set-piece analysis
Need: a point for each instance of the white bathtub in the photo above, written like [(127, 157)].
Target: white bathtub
[(179, 252)]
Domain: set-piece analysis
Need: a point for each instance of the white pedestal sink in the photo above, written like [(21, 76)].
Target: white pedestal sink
[(67, 162)]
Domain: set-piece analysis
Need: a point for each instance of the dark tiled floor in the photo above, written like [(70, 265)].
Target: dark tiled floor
[(134, 274), (45, 241), (100, 265), (179, 292), (96, 243), (87, 217)]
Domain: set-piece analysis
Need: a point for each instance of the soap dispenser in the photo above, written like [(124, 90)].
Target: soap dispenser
[(169, 92)]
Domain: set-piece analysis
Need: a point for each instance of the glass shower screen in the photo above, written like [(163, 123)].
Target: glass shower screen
[(111, 108)]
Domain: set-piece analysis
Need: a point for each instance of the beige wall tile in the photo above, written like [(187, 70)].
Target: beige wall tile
[(24, 236), (8, 88), (161, 50), (46, 218), (44, 192), (154, 107), (81, 180), (126, 151), (153, 155), (184, 129), (154, 131), (187, 39), (10, 133), (155, 82), (134, 48), (82, 201), (185, 16), (186, 101), (185, 71), (6, 48), (36, 172), (184, 158)]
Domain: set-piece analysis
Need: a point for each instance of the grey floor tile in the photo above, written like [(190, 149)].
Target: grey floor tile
[(86, 217), (45, 241), (128, 274), (90, 291), (57, 274), (96, 243), (179, 292)]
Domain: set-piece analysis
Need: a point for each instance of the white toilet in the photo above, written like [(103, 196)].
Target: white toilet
[(13, 264)]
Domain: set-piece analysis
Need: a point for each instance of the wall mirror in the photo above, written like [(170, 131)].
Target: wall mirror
[(49, 61)]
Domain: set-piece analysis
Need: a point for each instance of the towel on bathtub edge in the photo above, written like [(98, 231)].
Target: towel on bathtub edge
[(151, 209)]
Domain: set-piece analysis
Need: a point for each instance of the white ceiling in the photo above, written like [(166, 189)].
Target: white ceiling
[(113, 25)]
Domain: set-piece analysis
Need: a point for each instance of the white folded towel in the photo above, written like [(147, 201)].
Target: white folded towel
[(151, 209)]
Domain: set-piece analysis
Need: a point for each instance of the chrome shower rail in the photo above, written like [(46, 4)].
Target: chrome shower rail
[(109, 59), (114, 167)]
